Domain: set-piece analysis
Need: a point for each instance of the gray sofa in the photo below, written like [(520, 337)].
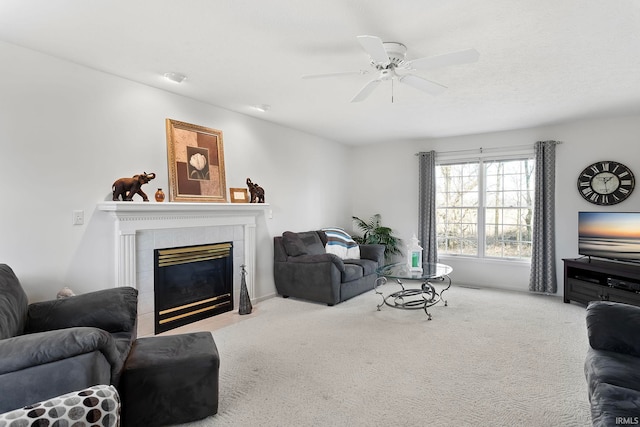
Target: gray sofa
[(303, 269), (55, 347), (612, 365)]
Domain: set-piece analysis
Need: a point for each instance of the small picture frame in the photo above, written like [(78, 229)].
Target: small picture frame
[(239, 195)]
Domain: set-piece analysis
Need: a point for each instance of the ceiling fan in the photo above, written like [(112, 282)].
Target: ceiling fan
[(388, 60)]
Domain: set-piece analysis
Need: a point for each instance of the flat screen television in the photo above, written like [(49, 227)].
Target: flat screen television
[(609, 235)]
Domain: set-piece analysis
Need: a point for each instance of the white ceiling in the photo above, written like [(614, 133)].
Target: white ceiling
[(541, 61)]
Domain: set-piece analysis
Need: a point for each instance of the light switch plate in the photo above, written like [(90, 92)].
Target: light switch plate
[(78, 217)]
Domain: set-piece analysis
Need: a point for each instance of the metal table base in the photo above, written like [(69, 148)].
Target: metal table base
[(414, 298)]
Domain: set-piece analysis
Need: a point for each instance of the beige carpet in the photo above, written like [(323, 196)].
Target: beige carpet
[(491, 358)]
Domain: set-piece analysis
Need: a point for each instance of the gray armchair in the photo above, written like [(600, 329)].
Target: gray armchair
[(303, 269), (56, 347), (612, 365)]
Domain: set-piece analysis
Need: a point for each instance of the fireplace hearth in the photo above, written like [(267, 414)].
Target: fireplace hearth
[(192, 283)]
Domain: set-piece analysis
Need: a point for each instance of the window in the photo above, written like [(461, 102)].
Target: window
[(484, 207)]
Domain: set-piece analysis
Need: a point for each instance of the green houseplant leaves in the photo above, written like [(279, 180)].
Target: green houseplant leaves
[(375, 233)]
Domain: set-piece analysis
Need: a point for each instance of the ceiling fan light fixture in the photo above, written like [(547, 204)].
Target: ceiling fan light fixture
[(396, 52), (389, 60), (175, 77)]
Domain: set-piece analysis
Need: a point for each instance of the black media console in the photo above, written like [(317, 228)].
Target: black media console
[(597, 280)]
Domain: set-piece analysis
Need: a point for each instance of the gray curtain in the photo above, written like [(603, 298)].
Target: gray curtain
[(427, 206), (543, 257)]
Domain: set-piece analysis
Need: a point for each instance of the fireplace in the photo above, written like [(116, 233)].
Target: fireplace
[(140, 228), (192, 283)]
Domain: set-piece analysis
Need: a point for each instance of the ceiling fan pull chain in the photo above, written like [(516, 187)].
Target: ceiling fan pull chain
[(392, 91)]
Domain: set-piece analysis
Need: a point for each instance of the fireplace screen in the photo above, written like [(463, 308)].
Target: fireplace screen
[(192, 283)]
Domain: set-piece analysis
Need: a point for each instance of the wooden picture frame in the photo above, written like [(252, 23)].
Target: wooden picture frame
[(239, 195), (196, 163)]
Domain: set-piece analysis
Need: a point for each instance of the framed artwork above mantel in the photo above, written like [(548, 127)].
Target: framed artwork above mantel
[(195, 157)]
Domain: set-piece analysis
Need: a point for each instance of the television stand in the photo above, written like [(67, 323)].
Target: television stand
[(587, 279)]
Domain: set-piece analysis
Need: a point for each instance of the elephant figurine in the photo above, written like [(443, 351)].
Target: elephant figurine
[(256, 192), (127, 187)]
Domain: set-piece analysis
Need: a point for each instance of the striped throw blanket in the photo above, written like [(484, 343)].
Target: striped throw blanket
[(340, 243)]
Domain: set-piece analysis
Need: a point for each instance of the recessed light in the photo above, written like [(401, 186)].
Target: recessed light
[(175, 77), (263, 108)]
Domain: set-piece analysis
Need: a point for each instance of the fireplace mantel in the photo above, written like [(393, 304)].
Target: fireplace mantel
[(131, 217), (135, 211)]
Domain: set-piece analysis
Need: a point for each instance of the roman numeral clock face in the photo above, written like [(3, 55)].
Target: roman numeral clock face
[(606, 183)]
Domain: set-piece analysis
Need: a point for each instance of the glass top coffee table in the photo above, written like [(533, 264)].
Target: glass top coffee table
[(414, 298)]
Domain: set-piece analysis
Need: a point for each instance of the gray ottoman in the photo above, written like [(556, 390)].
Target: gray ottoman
[(170, 380)]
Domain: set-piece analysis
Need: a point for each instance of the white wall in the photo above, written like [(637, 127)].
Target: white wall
[(67, 132), (584, 142)]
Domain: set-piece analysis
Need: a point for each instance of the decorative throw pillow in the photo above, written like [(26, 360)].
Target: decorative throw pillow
[(312, 242), (340, 243), (293, 244), (95, 406)]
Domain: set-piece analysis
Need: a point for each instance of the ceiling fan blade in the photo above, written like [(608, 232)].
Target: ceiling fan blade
[(366, 91), (339, 74), (422, 84), (374, 47), (454, 58)]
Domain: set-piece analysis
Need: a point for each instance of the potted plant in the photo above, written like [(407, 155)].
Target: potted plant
[(374, 233)]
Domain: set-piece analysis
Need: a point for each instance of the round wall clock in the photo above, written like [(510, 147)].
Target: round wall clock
[(606, 183)]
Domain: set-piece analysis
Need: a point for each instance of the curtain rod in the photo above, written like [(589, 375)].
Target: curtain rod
[(490, 149)]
